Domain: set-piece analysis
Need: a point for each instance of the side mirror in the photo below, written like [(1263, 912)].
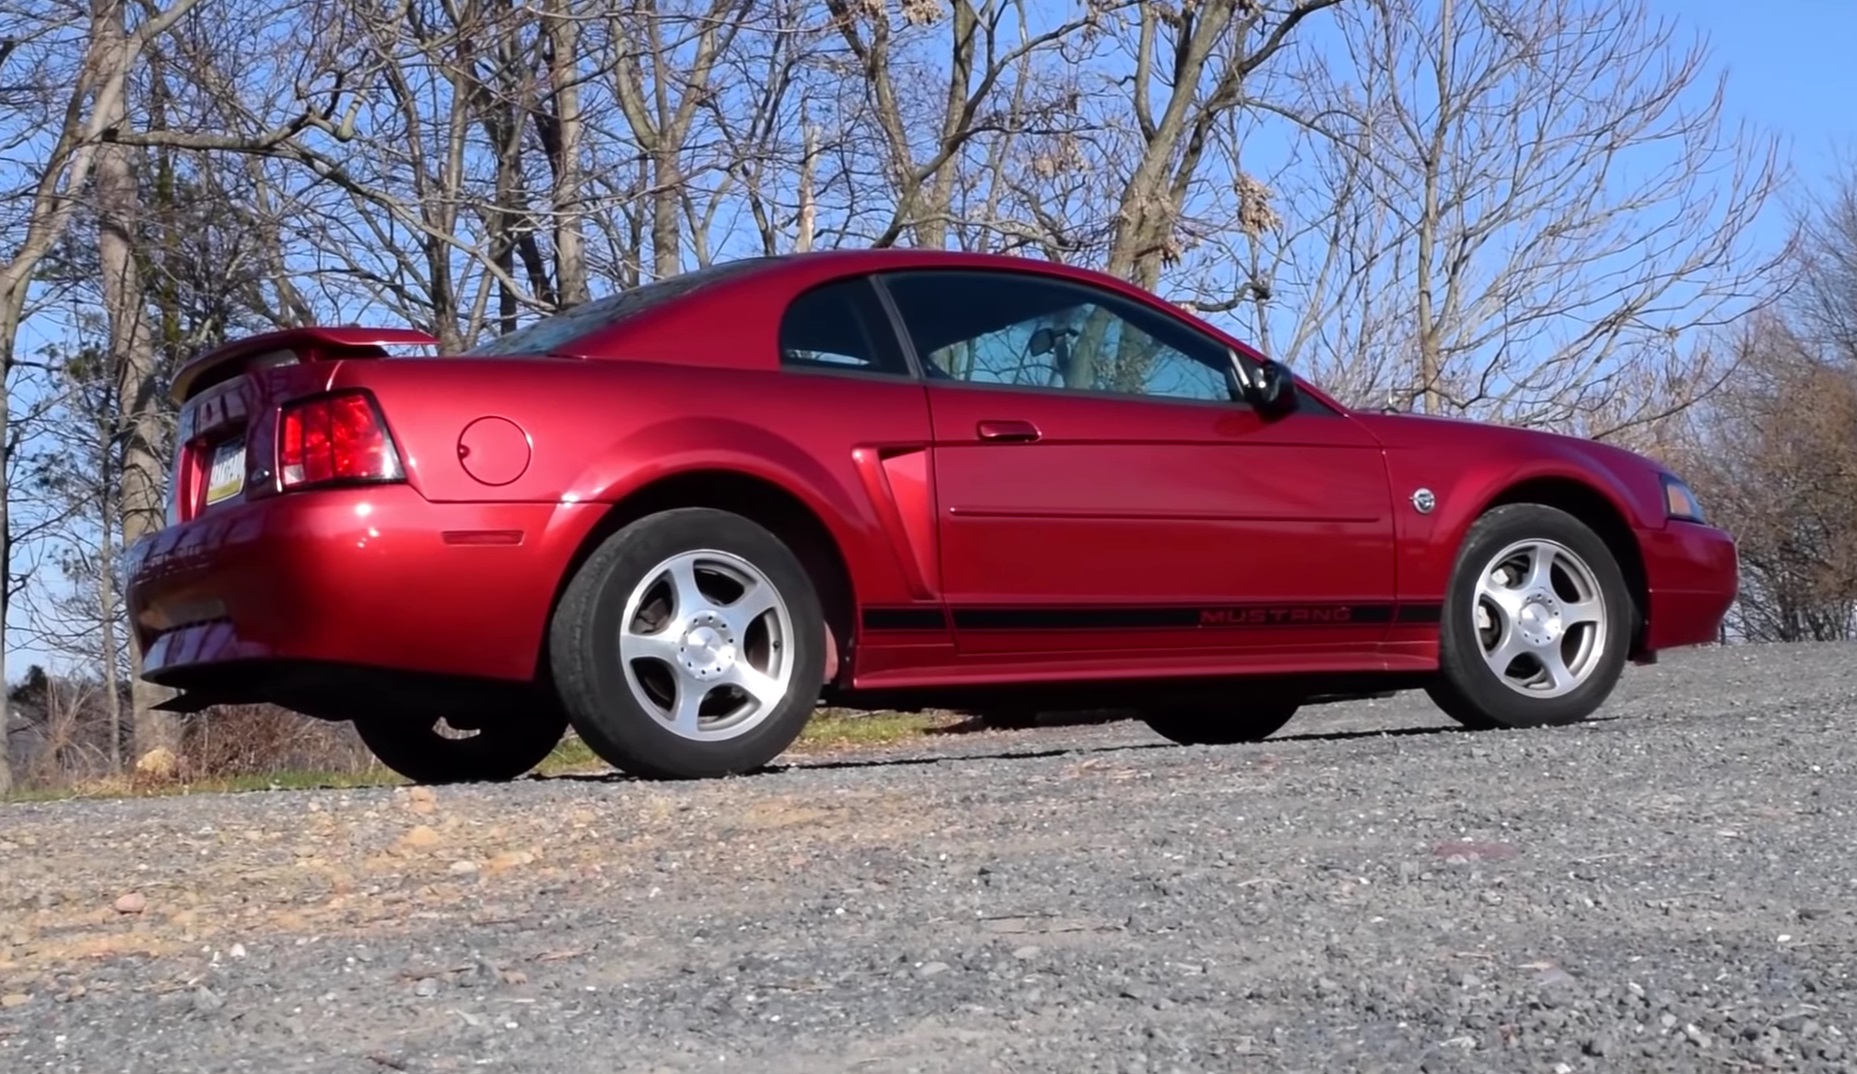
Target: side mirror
[(1271, 389), (1043, 341)]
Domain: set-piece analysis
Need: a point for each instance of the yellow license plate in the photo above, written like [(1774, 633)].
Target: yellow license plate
[(226, 478)]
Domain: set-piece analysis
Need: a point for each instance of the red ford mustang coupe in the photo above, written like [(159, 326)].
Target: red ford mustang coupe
[(678, 518)]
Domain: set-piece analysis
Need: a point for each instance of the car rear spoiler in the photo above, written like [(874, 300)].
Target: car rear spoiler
[(307, 344)]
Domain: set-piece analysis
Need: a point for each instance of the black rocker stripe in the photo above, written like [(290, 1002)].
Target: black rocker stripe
[(904, 619), (1139, 617), (1420, 614), (1188, 617)]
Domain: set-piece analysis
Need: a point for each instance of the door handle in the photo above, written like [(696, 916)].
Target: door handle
[(1008, 431)]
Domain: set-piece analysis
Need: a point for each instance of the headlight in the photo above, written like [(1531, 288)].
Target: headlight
[(1679, 501)]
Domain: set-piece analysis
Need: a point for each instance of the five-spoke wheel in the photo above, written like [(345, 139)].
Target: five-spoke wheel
[(1537, 622), (705, 645), (690, 644), (1540, 618)]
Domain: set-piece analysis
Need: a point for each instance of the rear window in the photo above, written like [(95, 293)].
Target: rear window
[(557, 330)]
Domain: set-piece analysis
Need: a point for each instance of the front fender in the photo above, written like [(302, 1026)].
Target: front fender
[(1464, 490)]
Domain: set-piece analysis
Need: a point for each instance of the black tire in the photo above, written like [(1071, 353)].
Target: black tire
[(592, 679), (1009, 718), (502, 749), (1466, 687), (1252, 721)]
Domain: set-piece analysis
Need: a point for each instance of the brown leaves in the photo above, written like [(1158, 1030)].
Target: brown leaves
[(1256, 214), (1775, 463), (922, 12)]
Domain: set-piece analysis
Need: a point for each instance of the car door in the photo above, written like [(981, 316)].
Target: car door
[(1100, 486)]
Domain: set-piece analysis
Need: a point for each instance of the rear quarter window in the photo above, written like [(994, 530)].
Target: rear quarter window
[(839, 327)]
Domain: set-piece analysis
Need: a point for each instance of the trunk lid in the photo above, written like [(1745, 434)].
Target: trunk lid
[(226, 438)]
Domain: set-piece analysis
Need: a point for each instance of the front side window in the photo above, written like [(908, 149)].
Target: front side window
[(1034, 331)]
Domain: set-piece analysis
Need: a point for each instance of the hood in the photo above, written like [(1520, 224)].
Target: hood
[(1404, 429), (1478, 459)]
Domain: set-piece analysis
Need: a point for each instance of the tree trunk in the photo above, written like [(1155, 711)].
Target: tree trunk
[(132, 346), (808, 209), (564, 77), (110, 645), (666, 222), (67, 169), (12, 302), (1431, 363), (1143, 226), (936, 205), (1217, 38)]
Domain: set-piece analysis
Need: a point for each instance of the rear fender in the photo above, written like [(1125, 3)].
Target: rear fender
[(864, 556), (665, 449)]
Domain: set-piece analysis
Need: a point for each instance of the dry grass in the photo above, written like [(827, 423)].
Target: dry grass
[(134, 787), (835, 729), (268, 749)]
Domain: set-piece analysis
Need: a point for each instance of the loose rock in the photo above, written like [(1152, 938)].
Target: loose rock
[(1071, 900)]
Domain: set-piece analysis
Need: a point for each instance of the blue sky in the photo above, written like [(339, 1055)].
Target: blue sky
[(1789, 69), (1790, 73)]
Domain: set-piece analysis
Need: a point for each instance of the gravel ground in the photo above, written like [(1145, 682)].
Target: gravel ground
[(1669, 888)]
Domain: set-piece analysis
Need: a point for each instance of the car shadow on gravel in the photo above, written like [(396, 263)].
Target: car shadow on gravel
[(906, 761), (920, 760)]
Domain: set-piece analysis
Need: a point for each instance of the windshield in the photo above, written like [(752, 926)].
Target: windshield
[(552, 332)]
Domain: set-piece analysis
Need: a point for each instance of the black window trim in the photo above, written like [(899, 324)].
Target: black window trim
[(900, 328)]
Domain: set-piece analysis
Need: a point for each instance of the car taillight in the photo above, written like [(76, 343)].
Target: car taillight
[(334, 438)]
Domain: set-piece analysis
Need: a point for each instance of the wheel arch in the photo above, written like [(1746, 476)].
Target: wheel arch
[(1599, 512), (762, 501)]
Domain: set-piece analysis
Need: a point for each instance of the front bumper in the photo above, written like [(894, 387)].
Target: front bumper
[(1693, 575)]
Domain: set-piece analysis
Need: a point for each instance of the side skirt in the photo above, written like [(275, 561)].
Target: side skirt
[(932, 619)]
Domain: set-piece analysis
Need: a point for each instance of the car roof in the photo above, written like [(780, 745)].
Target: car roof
[(675, 319), (685, 329), (896, 258), (631, 314)]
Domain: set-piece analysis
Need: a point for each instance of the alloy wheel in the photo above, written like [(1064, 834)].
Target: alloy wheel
[(1540, 618), (706, 645)]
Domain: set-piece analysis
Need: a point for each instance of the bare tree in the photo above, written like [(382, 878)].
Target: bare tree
[(411, 160), (666, 60), (560, 126), (1192, 66), (71, 472), (1531, 205), (1824, 309), (141, 443), (1772, 453), (91, 105), (978, 94), (1774, 461)]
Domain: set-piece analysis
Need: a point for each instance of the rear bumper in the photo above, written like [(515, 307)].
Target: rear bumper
[(1693, 575), (366, 577)]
